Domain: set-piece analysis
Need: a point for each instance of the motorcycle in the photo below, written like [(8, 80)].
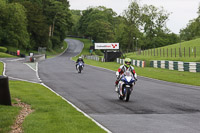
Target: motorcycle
[(125, 85), (79, 66)]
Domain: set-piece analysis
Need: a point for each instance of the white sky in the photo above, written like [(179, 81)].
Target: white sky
[(182, 10)]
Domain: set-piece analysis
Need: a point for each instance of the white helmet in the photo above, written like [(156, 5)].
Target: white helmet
[(80, 57)]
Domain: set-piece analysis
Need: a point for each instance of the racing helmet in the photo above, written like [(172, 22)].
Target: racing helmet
[(127, 62), (80, 57)]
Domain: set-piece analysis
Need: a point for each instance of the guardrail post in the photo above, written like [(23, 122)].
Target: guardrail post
[(4, 91)]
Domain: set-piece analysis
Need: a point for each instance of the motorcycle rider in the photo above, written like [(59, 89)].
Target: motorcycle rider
[(78, 60), (123, 68)]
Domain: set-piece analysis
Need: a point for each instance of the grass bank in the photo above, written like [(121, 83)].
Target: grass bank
[(187, 47), (156, 73), (4, 55), (1, 68), (51, 113)]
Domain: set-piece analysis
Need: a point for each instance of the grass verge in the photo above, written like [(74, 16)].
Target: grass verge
[(187, 46), (4, 55), (51, 112), (1, 68), (156, 73)]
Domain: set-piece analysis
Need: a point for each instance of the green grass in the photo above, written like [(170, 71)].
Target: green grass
[(4, 55), (193, 43), (51, 113), (7, 113), (7, 117), (1, 68), (156, 73)]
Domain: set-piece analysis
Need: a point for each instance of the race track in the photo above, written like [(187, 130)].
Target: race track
[(154, 107)]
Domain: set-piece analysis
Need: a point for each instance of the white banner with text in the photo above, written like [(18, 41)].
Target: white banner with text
[(106, 45)]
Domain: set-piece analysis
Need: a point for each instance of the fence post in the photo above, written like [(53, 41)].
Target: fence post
[(163, 52), (154, 52), (175, 52), (195, 52), (171, 52), (160, 52), (189, 51), (157, 52), (167, 52), (151, 52), (184, 51)]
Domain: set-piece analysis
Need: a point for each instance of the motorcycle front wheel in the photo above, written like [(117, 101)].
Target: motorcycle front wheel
[(127, 95)]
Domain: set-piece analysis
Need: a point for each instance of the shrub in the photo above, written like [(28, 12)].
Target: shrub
[(3, 49), (98, 52)]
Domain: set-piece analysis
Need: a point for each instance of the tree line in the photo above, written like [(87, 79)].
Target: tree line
[(30, 24), (140, 26), (192, 29)]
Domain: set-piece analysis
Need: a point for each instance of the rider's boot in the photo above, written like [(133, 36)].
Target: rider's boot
[(116, 86)]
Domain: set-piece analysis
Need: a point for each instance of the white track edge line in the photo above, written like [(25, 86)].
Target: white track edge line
[(16, 59), (101, 126), (29, 66)]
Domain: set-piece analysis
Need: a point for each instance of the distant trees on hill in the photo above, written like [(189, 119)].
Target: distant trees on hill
[(192, 29), (139, 26)]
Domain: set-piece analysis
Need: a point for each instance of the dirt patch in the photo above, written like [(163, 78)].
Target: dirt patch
[(25, 111)]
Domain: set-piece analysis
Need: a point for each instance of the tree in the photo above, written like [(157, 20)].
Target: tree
[(98, 19), (100, 31), (59, 19), (37, 25), (132, 21), (13, 25)]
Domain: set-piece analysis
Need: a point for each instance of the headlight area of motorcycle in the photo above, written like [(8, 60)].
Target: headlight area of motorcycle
[(128, 85)]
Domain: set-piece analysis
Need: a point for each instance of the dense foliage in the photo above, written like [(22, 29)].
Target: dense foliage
[(192, 30), (30, 24), (139, 26)]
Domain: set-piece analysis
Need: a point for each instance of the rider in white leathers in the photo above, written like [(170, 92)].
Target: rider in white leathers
[(123, 68)]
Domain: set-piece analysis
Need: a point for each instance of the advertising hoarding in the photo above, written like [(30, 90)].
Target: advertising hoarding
[(107, 46)]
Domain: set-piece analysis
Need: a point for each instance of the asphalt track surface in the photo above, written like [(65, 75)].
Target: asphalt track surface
[(17, 69), (154, 107)]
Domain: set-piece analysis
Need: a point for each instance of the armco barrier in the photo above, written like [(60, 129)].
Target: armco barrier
[(176, 65), (137, 63)]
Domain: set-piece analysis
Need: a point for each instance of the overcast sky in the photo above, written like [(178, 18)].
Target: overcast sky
[(182, 10)]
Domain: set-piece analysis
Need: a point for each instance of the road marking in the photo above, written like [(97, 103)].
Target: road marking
[(30, 66), (4, 68), (101, 126), (17, 59)]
